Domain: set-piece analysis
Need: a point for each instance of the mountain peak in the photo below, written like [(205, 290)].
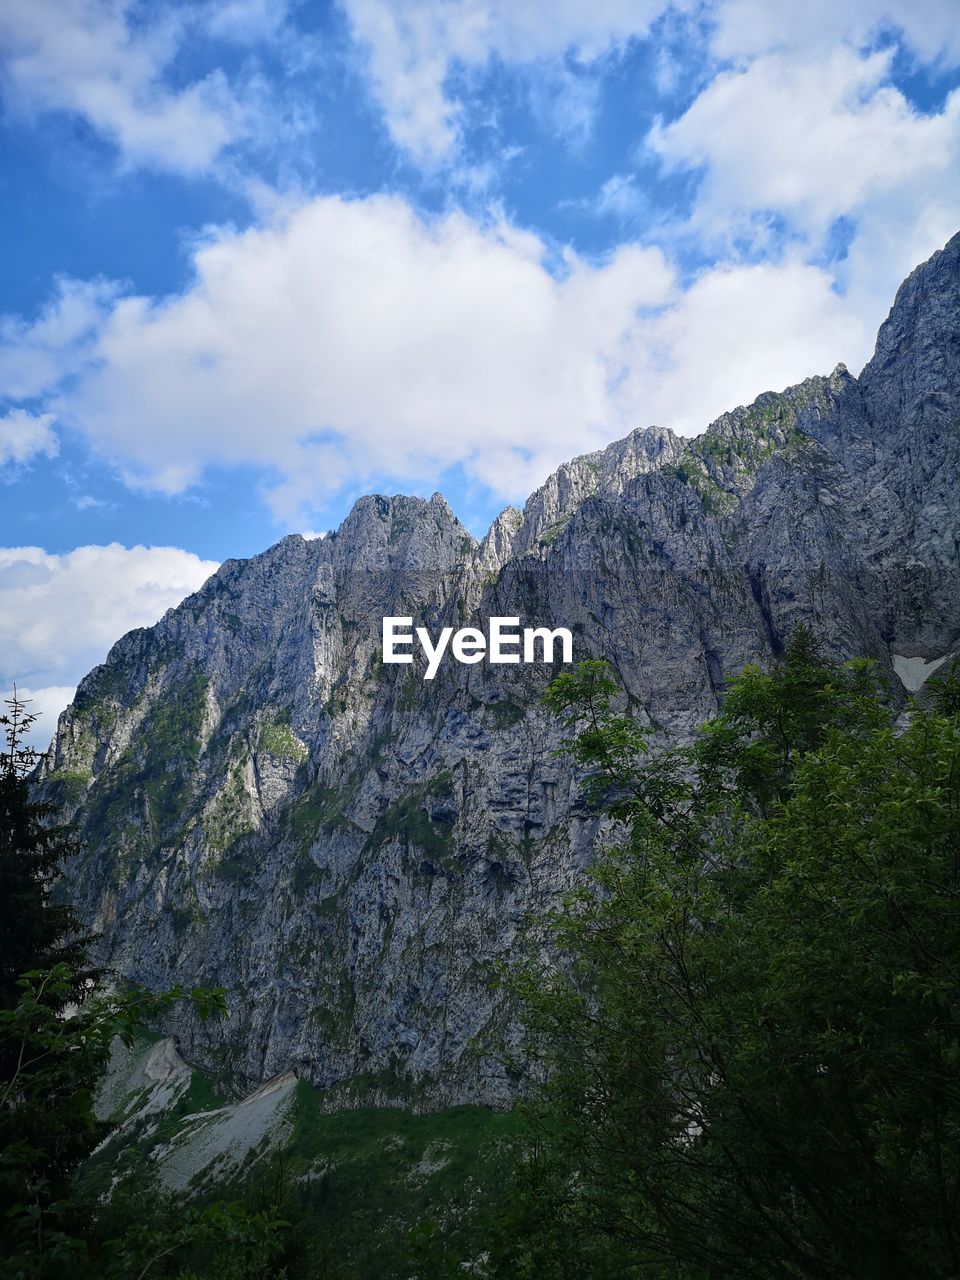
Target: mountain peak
[(604, 472), (269, 807), (912, 382)]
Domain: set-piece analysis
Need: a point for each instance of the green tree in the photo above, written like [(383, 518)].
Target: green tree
[(57, 1030), (750, 1036), (35, 932), (48, 1123)]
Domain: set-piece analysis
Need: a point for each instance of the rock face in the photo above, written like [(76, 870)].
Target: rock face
[(348, 848)]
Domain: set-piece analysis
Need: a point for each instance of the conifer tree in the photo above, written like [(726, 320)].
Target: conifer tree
[(35, 931), (57, 1032)]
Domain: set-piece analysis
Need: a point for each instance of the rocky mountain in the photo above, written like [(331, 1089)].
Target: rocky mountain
[(349, 848)]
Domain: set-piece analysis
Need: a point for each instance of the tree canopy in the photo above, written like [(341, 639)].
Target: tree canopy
[(35, 931), (749, 1032)]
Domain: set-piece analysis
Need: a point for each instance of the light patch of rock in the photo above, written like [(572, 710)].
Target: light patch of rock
[(217, 1143), (142, 1082), (432, 1161), (915, 671)]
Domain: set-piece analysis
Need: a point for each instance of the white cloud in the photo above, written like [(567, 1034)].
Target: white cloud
[(739, 331), (795, 141), (59, 615), (414, 48), (46, 704), (745, 28), (347, 341), (349, 338), (100, 60), (343, 340), (413, 45), (113, 62), (620, 197), (36, 355), (26, 435), (809, 141), (244, 21)]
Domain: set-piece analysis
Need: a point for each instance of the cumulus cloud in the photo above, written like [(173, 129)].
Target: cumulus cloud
[(738, 331), (414, 45), (809, 141), (356, 337), (343, 340), (46, 704), (416, 48), (100, 60), (793, 145), (353, 339), (26, 435), (36, 355), (114, 62), (59, 614)]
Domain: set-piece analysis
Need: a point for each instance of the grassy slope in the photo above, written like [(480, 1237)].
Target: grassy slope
[(353, 1184)]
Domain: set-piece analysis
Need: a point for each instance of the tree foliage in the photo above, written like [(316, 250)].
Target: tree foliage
[(58, 1026), (751, 1033), (35, 932), (48, 1122)]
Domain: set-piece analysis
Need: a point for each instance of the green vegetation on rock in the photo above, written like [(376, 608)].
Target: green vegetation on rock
[(408, 819), (749, 1053), (277, 738)]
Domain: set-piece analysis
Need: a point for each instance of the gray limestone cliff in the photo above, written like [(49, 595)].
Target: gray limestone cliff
[(348, 848)]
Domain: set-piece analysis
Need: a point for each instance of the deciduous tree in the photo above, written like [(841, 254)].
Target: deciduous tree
[(751, 1034)]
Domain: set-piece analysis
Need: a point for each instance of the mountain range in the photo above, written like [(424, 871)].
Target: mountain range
[(349, 849)]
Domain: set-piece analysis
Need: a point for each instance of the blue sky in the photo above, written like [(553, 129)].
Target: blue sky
[(261, 256)]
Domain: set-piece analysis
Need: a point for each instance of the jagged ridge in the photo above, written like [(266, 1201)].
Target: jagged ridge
[(348, 849)]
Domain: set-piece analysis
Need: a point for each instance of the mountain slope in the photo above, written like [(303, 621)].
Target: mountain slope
[(348, 848)]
